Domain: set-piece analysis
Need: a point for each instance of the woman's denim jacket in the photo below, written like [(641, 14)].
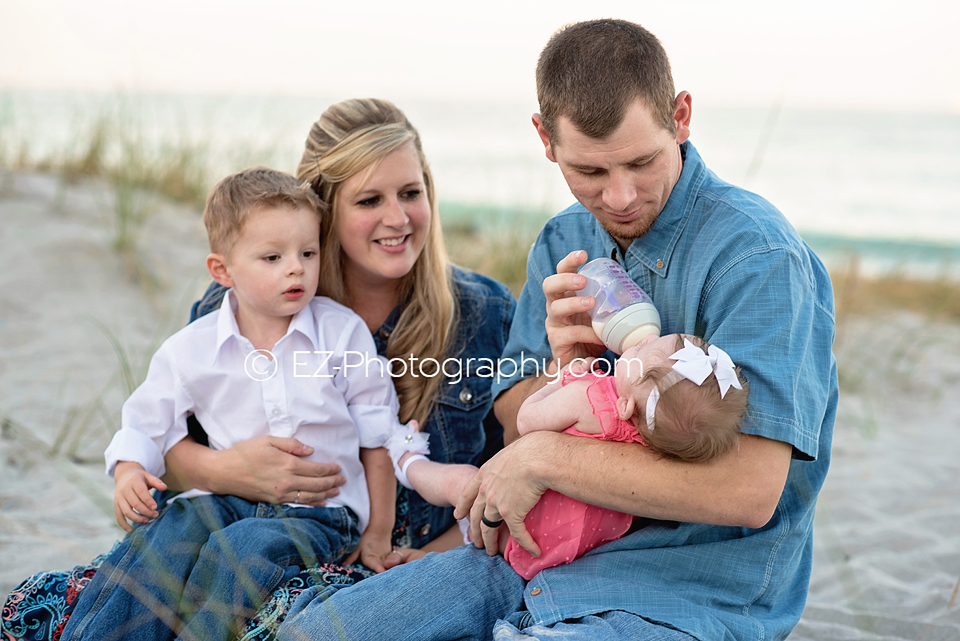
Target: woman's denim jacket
[(462, 428)]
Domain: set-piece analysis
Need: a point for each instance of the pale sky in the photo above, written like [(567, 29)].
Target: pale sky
[(894, 54)]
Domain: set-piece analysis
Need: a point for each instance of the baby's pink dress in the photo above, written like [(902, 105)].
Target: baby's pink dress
[(565, 528)]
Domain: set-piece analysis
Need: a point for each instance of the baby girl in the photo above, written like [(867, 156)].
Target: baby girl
[(675, 394)]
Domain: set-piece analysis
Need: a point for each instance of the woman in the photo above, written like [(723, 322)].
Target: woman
[(383, 256)]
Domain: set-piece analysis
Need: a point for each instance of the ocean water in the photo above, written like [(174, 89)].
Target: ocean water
[(884, 186)]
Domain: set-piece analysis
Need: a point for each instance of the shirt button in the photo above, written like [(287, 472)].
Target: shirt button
[(466, 395), (276, 411), (534, 591), (659, 264), (425, 530), (384, 334)]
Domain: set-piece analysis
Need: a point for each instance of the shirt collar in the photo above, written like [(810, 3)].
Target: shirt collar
[(303, 322), (226, 321), (655, 248)]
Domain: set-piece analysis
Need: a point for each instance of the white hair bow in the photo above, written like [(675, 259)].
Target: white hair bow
[(696, 366), (692, 364)]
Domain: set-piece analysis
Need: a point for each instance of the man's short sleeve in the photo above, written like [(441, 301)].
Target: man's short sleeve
[(764, 310)]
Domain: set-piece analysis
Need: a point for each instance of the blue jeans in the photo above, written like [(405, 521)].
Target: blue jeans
[(605, 626), (461, 594), (203, 566)]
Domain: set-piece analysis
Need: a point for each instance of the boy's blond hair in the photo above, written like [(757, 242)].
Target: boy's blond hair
[(236, 196)]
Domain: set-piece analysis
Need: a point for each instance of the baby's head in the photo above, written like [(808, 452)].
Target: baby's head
[(675, 415), (264, 232)]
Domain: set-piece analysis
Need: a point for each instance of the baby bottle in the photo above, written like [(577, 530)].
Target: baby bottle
[(623, 314)]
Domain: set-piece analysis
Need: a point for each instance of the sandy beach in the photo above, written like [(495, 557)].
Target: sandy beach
[(887, 534)]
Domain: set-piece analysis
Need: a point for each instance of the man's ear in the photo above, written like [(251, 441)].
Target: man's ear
[(544, 136), (218, 269), (682, 110), (626, 406)]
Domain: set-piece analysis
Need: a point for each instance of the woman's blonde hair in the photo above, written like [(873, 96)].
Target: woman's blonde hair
[(354, 136)]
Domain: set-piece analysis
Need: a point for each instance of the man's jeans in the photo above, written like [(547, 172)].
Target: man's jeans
[(461, 594), (204, 566)]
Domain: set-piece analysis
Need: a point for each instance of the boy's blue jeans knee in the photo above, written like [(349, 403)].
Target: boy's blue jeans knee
[(459, 594), (204, 566)]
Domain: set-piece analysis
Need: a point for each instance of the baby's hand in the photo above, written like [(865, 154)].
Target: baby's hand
[(581, 365), (132, 499)]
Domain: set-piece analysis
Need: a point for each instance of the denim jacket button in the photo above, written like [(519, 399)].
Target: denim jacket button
[(425, 530), (534, 591), (466, 395)]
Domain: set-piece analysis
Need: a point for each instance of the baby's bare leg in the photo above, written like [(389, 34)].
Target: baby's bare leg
[(439, 483)]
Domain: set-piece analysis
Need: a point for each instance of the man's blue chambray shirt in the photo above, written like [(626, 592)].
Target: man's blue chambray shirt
[(723, 264)]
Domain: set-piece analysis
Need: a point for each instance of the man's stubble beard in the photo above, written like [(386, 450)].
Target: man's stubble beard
[(626, 233)]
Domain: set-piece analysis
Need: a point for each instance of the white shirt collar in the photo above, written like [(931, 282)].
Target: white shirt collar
[(303, 322)]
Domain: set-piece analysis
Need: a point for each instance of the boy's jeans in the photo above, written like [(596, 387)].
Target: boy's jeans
[(459, 594), (204, 566)]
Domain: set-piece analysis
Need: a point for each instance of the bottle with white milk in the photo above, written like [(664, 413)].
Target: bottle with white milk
[(623, 314)]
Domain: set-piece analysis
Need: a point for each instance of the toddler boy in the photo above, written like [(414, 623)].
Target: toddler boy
[(274, 360)]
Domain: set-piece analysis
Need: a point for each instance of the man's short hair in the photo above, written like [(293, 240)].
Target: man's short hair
[(590, 72), (236, 196)]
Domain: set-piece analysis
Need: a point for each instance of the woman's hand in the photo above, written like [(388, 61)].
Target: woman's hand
[(568, 325), (273, 467), (270, 469)]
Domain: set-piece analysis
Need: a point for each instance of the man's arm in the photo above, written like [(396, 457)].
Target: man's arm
[(741, 488)]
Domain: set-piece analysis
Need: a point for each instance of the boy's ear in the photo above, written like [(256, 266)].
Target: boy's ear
[(626, 406), (218, 269)]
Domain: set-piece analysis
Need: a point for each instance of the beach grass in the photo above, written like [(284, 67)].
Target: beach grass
[(112, 146), (857, 293)]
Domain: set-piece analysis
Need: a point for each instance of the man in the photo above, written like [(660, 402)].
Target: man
[(723, 549)]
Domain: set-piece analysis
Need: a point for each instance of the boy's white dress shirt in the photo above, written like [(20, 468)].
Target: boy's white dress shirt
[(327, 387)]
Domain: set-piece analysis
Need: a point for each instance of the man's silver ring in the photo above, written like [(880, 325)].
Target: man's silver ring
[(489, 523), (297, 500)]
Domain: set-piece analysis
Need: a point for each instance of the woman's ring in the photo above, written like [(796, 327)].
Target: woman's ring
[(489, 523), (297, 500)]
